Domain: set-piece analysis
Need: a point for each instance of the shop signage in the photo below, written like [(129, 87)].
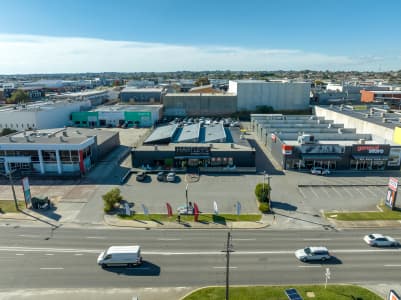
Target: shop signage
[(392, 192), (27, 192), (370, 149), (192, 151), (394, 158), (321, 149)]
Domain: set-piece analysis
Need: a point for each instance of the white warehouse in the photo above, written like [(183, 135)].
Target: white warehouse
[(278, 95), (40, 115)]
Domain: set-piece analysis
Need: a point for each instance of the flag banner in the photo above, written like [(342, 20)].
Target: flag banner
[(238, 208), (145, 210), (196, 212), (215, 208), (169, 209)]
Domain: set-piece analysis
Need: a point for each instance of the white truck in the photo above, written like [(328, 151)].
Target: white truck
[(129, 256)]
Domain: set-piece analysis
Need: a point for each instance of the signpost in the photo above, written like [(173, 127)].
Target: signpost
[(327, 274), (27, 192), (391, 192)]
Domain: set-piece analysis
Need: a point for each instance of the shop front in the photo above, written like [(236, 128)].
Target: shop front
[(369, 157), (193, 157)]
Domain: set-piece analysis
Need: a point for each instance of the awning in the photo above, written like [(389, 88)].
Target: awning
[(193, 157), (318, 156), (370, 157)]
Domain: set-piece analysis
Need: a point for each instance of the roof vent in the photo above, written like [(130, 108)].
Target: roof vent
[(62, 139), (384, 120), (211, 145), (156, 148), (232, 146), (65, 133)]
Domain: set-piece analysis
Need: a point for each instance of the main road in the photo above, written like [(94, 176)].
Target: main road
[(37, 257)]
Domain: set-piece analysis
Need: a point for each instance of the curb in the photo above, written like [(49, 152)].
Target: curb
[(340, 185)]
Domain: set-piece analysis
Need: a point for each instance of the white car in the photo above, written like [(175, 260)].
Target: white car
[(377, 239), (320, 171), (313, 253), (170, 177)]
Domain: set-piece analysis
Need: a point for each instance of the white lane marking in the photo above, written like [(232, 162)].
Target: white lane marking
[(302, 193), (313, 192), (29, 235), (335, 190), (317, 239), (168, 239), (57, 268), (392, 265), (78, 254), (215, 267), (96, 237), (19, 254), (244, 239), (49, 253), (313, 266)]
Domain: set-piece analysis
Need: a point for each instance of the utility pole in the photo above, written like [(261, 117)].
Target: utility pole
[(228, 250), (186, 197), (12, 186)]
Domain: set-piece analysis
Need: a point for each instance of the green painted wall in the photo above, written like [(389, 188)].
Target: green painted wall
[(83, 115)]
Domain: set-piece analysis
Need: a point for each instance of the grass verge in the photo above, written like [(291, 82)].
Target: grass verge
[(203, 218), (386, 214), (8, 206), (332, 292)]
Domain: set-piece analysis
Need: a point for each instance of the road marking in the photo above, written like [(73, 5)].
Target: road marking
[(96, 237), (19, 254), (29, 235), (302, 193), (49, 253), (168, 239), (51, 268), (78, 254), (392, 265), (244, 239), (317, 239), (313, 266), (335, 190), (313, 192), (224, 267)]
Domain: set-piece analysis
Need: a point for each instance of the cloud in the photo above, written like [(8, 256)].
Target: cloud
[(21, 54)]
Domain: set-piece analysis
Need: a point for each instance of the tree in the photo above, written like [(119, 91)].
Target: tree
[(202, 81), (262, 193), (111, 198), (18, 96), (7, 131)]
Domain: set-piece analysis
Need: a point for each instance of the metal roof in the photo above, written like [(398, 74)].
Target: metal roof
[(215, 133), (162, 133), (189, 133)]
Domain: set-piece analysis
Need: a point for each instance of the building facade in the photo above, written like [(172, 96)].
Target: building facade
[(141, 95)]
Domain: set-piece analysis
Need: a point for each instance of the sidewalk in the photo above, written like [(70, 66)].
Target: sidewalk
[(117, 222)]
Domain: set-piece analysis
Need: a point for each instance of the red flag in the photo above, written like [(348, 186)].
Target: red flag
[(196, 212), (169, 209)]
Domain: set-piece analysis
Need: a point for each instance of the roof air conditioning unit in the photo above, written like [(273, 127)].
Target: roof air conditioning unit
[(211, 145), (156, 148), (382, 115), (384, 120), (340, 130), (362, 141), (232, 146)]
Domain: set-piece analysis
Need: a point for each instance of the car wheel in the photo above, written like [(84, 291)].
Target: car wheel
[(323, 259), (104, 266), (374, 245), (394, 244), (304, 259)]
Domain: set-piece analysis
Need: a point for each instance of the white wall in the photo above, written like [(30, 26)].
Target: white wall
[(17, 120), (280, 96)]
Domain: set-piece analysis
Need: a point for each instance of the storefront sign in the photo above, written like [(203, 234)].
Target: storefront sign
[(370, 149), (192, 151), (391, 192), (321, 149)]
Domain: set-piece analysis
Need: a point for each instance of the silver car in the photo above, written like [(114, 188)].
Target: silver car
[(379, 240), (313, 253)]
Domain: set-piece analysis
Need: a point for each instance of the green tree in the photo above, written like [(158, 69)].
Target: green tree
[(18, 96), (7, 131), (264, 207), (262, 193), (111, 198), (202, 81)]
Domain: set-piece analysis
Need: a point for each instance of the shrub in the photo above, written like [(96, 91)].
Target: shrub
[(264, 207), (111, 198), (262, 194)]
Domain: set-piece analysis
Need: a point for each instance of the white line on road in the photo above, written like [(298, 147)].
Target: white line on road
[(392, 265), (96, 237), (313, 266), (317, 239), (51, 268), (19, 254), (78, 254), (244, 239), (224, 267), (29, 235), (313, 192), (168, 239), (49, 254)]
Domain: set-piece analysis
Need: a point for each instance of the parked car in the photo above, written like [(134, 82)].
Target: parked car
[(320, 171), (313, 253), (170, 177), (379, 240), (141, 176), (161, 176)]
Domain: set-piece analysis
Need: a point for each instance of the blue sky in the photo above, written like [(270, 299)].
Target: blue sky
[(41, 36)]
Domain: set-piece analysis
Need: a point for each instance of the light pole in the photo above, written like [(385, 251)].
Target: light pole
[(186, 197), (269, 188), (12, 185)]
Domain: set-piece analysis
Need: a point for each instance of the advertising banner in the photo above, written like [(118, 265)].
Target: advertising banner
[(27, 192), (215, 208), (370, 149), (393, 296), (169, 209), (196, 212), (391, 192)]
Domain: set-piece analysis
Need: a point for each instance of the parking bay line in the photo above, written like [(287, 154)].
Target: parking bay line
[(55, 268)]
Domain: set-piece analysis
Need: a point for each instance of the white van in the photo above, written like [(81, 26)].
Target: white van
[(120, 256)]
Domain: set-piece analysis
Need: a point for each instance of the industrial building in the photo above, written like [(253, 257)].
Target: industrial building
[(208, 148), (391, 97), (118, 115), (40, 115), (141, 95), (95, 97), (198, 104), (55, 152), (278, 95), (330, 139)]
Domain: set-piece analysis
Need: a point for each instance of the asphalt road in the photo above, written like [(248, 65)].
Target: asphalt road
[(66, 258)]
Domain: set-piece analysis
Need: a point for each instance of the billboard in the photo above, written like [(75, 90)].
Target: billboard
[(391, 192), (27, 192)]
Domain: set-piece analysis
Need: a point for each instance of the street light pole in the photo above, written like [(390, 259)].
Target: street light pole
[(12, 186), (186, 197), (264, 176)]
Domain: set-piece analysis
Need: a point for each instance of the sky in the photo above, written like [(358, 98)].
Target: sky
[(59, 36)]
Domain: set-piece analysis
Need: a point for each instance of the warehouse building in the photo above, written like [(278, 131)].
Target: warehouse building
[(209, 148), (279, 95), (118, 116), (304, 142), (40, 115), (95, 97), (55, 152), (141, 95)]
